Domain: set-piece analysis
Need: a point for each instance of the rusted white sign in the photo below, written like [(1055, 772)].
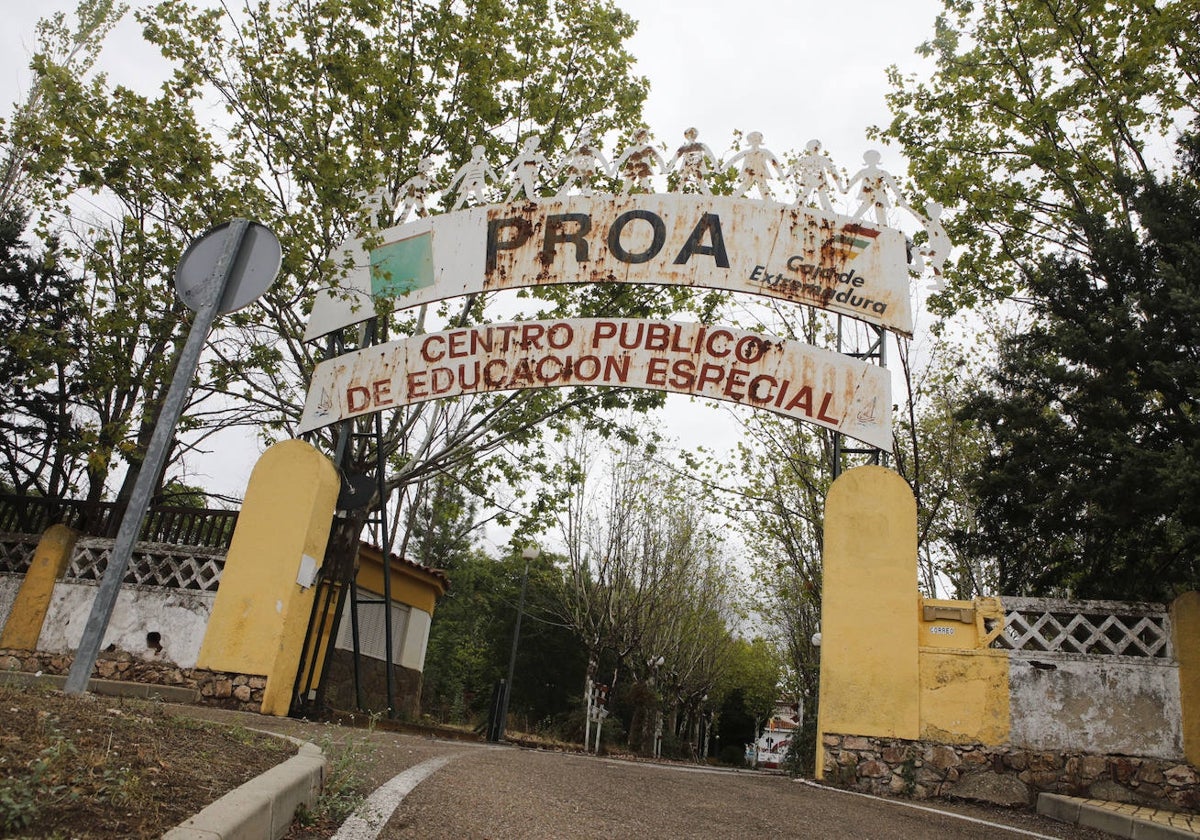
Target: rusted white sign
[(798, 254), (787, 377)]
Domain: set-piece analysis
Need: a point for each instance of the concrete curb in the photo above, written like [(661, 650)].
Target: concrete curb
[(109, 688), (264, 806), (1110, 818)]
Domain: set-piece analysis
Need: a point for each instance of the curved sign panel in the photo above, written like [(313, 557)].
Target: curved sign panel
[(787, 377), (796, 254)]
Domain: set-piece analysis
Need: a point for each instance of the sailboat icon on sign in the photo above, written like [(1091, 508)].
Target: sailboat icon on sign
[(325, 404), (866, 414)]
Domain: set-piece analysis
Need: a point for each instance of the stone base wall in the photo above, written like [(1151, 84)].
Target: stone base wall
[(339, 685), (1004, 775), (243, 692)]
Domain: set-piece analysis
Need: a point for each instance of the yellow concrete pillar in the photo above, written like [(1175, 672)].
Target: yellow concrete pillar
[(964, 683), (870, 678), (1185, 624), (266, 595), (50, 560)]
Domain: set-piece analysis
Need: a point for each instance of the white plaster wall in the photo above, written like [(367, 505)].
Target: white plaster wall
[(1104, 705), (416, 640), (178, 616), (10, 585)]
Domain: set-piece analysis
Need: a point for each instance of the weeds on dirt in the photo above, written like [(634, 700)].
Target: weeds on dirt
[(345, 784), (92, 767), (56, 777), (22, 798)]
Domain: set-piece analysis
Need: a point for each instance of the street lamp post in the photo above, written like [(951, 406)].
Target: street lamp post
[(530, 552), (654, 665)]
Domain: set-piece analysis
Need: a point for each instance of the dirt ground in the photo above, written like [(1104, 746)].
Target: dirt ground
[(102, 767), (105, 768)]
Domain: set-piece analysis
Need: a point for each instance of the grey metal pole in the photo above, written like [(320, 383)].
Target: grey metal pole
[(156, 453), (529, 554)]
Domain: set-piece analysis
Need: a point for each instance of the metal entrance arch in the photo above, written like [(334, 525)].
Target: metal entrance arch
[(781, 250)]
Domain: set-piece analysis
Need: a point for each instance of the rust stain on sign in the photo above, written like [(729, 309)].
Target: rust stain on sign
[(799, 255), (786, 377)]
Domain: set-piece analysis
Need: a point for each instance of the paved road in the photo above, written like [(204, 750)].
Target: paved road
[(464, 791), (511, 794)]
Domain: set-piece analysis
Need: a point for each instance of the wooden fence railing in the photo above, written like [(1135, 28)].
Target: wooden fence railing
[(173, 525)]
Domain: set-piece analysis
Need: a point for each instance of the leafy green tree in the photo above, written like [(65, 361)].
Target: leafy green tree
[(465, 654), (693, 632), (471, 637), (939, 452), (323, 103), (643, 584), (443, 520), (328, 101), (160, 180), (1090, 488), (786, 470), (1034, 112), (73, 49), (747, 690), (177, 494), (41, 315), (550, 660)]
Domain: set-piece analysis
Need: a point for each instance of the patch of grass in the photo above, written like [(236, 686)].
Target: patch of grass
[(243, 735), (45, 782), (90, 767), (345, 784)]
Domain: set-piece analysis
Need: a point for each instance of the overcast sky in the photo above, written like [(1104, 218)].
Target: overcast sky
[(794, 70)]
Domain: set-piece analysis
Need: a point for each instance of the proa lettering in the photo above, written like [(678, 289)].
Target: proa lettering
[(575, 229)]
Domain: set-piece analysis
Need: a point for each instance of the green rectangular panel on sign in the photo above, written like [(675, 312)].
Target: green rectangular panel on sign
[(399, 267)]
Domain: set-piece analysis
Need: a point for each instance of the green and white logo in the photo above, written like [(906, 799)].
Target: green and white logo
[(401, 267)]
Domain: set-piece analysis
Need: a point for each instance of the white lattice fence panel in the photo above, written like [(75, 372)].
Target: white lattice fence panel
[(16, 553), (152, 564), (1103, 628)]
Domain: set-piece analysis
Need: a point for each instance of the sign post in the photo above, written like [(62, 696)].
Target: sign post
[(227, 268)]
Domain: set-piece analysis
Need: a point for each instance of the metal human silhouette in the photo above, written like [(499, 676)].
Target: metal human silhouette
[(374, 208), (813, 173), (525, 168), (756, 164), (875, 185), (472, 178), (693, 158), (412, 193), (636, 163), (937, 246), (581, 164)]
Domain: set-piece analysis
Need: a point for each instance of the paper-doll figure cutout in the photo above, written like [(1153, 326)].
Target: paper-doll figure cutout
[(873, 192), (756, 167), (916, 257), (937, 246), (412, 193), (525, 168), (375, 208), (472, 178), (581, 164), (693, 158), (813, 173), (636, 164)]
